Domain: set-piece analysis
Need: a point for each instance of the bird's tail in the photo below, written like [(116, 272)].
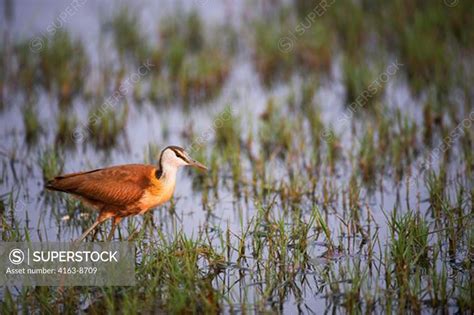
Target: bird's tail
[(54, 184), (67, 182)]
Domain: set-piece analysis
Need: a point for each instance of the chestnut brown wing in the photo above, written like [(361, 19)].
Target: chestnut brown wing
[(117, 185)]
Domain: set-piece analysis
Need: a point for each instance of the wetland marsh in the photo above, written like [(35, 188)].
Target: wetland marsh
[(338, 134)]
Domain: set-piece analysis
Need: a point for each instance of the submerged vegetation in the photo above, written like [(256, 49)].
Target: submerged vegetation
[(321, 193)]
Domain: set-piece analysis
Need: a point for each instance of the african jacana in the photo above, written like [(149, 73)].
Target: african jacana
[(124, 190)]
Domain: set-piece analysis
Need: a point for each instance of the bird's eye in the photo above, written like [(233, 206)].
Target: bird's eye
[(178, 155)]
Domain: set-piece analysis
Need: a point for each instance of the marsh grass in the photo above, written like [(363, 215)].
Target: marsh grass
[(362, 85), (106, 125), (66, 123), (420, 47), (228, 142), (274, 249), (285, 44), (51, 162), (275, 132), (426, 38), (270, 61), (201, 180), (409, 254), (315, 48), (368, 156), (24, 75), (201, 76), (11, 229), (63, 66), (193, 60), (436, 187), (295, 214), (160, 90), (127, 35), (353, 32), (31, 123)]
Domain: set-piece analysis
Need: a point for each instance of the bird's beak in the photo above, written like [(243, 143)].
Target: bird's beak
[(198, 165)]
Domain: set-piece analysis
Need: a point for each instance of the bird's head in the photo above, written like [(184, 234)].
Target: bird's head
[(175, 157)]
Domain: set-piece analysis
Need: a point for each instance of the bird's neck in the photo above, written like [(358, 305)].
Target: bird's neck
[(168, 175)]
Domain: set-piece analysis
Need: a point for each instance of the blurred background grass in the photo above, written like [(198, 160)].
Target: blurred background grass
[(338, 133)]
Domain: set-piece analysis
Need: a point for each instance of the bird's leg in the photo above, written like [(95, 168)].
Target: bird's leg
[(102, 217), (83, 236), (112, 230), (95, 234), (115, 222)]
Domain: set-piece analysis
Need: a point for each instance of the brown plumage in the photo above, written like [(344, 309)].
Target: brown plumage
[(117, 186), (120, 191)]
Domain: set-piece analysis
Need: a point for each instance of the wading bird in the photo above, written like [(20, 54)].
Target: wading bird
[(124, 190)]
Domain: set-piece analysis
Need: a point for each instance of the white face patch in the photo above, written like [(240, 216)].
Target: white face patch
[(170, 160)]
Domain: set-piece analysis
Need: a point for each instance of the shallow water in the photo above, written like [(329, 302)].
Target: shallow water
[(146, 124)]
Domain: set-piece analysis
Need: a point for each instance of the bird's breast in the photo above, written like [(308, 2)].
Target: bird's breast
[(158, 193)]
